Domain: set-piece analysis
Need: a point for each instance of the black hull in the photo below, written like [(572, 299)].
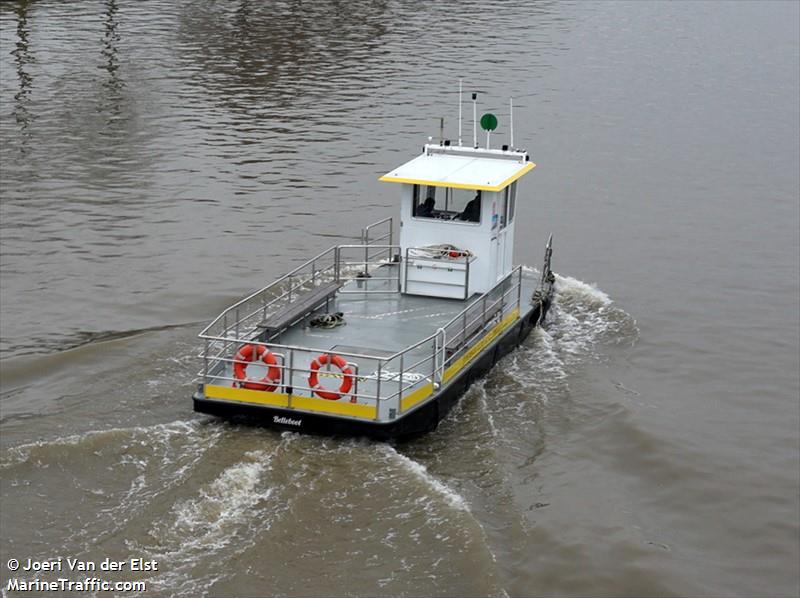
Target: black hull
[(416, 422)]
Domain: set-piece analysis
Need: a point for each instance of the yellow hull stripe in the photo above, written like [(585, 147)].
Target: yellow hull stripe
[(245, 395), (485, 341), (415, 397), (277, 399), (426, 391), (335, 407), (524, 170)]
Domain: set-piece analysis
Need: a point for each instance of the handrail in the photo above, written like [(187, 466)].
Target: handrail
[(411, 347), (292, 347), (336, 265), (371, 243), (359, 246), (460, 315), (480, 297), (466, 327), (365, 230), (272, 284)]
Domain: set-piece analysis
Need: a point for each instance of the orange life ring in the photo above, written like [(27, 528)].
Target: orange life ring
[(250, 353), (339, 362)]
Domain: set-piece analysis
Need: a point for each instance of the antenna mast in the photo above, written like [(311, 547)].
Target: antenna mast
[(511, 120), (459, 111), (474, 119)]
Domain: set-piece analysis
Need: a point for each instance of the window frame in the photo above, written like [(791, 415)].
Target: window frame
[(417, 194), (508, 202)]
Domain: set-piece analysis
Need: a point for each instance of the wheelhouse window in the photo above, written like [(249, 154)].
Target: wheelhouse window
[(507, 204), (511, 194), (446, 203)]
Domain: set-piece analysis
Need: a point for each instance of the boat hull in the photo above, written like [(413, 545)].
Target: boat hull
[(415, 422)]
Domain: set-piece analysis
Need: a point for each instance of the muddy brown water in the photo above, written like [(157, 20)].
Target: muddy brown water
[(160, 160)]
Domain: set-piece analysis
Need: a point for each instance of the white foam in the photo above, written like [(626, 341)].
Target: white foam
[(548, 360), (227, 512), (580, 318), (452, 497), (582, 315), (204, 522), (479, 387), (174, 451), (566, 285), (22, 452)]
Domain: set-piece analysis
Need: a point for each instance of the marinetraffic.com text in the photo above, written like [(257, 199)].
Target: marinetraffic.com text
[(66, 574)]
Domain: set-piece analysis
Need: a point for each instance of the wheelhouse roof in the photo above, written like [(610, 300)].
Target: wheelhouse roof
[(462, 168)]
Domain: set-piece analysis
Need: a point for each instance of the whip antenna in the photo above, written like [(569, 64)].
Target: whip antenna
[(474, 119), (511, 120), (459, 111)]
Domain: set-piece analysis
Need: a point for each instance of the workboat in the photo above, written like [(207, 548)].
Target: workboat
[(381, 339)]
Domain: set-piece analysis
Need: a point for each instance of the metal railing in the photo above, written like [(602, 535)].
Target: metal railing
[(385, 233), (333, 265), (453, 271), (453, 340), (295, 370), (370, 275), (378, 380)]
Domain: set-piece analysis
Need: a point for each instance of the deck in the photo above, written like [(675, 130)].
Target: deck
[(400, 347)]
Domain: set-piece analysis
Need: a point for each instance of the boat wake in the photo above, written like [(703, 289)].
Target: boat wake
[(451, 497), (584, 316), (192, 492), (516, 395), (222, 518), (158, 438), (581, 318)]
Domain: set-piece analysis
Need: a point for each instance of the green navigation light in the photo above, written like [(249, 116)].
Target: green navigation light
[(488, 122)]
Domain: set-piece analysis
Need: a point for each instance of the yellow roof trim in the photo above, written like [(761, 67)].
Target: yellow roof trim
[(524, 170)]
